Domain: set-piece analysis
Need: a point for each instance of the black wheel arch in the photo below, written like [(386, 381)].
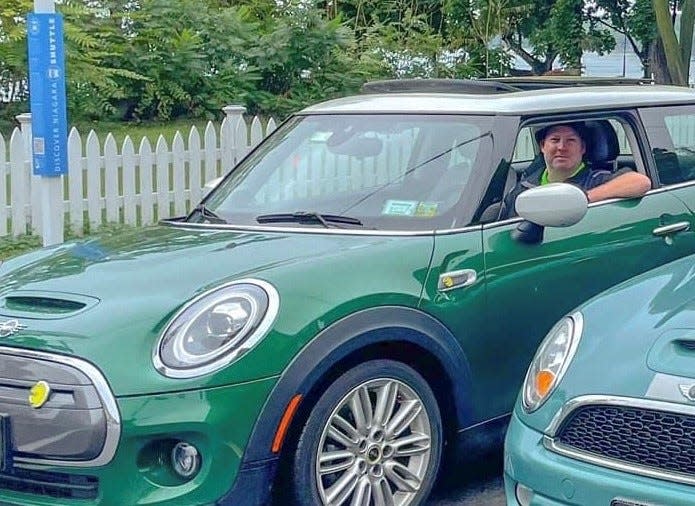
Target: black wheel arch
[(360, 336), (397, 332)]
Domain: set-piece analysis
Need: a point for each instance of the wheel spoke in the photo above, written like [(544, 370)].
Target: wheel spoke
[(408, 411), (333, 462), (342, 489), (410, 445), (363, 493), (342, 432), (402, 477), (386, 398), (383, 496), (361, 407)]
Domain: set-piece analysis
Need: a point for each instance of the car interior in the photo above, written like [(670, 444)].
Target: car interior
[(604, 151)]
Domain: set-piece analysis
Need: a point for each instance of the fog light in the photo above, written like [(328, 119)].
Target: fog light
[(185, 459), (524, 495)]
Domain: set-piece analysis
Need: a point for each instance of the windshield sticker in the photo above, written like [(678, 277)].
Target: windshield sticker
[(426, 209), (400, 207)]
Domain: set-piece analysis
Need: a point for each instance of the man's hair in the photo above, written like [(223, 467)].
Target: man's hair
[(577, 126)]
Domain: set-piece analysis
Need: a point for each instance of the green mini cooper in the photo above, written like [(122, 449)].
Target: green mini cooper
[(348, 301)]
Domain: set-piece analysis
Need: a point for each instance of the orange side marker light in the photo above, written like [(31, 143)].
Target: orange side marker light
[(285, 422)]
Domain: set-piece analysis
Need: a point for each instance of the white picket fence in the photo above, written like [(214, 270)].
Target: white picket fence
[(135, 184), (117, 184)]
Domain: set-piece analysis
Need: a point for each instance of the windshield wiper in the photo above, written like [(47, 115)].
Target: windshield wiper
[(327, 220), (209, 215)]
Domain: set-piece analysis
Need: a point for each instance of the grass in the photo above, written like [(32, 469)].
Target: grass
[(13, 246), (136, 130)]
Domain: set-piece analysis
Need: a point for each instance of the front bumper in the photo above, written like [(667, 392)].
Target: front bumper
[(558, 481), (217, 421)]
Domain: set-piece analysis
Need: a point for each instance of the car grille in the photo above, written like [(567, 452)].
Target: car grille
[(56, 485), (78, 425), (638, 436)]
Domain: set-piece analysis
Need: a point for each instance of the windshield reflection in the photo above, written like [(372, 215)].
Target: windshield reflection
[(383, 172)]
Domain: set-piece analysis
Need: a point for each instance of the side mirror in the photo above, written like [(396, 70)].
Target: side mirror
[(553, 205)]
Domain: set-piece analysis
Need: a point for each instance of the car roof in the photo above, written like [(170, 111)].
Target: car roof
[(538, 101)]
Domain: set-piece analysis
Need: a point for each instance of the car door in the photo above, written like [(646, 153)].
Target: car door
[(520, 290)]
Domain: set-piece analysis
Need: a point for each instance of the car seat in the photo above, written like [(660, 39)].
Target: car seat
[(602, 148)]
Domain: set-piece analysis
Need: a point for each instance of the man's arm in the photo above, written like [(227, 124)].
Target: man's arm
[(626, 185)]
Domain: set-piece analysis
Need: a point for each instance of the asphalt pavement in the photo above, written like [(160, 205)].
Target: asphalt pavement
[(476, 483)]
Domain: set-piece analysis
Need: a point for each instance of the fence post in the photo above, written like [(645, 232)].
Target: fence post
[(31, 181), (234, 112), (229, 140)]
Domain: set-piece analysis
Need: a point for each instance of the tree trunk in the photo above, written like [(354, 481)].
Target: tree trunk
[(667, 38), (686, 35), (657, 64)]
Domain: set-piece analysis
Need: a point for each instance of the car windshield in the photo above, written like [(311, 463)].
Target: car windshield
[(370, 172)]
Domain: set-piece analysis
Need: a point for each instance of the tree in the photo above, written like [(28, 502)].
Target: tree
[(538, 31), (676, 49), (301, 57), (13, 52), (634, 19), (87, 46), (189, 66)]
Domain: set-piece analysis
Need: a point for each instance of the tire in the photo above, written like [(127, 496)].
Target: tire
[(343, 458)]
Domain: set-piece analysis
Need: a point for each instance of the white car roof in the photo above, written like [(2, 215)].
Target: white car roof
[(568, 99)]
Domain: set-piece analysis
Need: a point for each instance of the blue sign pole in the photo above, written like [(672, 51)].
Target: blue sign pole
[(48, 111), (47, 93)]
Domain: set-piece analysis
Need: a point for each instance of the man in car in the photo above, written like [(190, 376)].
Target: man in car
[(563, 147)]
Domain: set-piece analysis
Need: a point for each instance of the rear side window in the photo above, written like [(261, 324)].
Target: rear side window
[(671, 132)]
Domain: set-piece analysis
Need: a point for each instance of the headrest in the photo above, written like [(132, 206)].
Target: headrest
[(601, 142)]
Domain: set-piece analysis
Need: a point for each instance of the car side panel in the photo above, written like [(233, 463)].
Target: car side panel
[(461, 308)]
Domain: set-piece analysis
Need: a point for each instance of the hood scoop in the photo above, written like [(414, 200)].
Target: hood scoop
[(45, 305), (674, 353)]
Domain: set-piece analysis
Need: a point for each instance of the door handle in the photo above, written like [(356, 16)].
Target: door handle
[(456, 279), (674, 228)]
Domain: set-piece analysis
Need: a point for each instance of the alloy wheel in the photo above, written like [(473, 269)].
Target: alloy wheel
[(375, 448)]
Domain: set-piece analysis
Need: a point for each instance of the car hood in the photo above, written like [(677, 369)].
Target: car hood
[(638, 341), (107, 300), (161, 262)]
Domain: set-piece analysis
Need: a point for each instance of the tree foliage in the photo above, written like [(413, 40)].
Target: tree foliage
[(634, 19), (142, 60)]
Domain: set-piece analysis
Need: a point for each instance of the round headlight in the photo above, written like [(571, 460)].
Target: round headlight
[(551, 361), (216, 328)]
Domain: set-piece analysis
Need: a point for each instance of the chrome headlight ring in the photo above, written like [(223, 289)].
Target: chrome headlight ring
[(216, 328), (551, 361)]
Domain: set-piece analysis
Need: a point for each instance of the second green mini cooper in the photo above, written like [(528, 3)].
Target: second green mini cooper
[(347, 300)]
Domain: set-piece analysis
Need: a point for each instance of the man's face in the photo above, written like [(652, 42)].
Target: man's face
[(562, 149)]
